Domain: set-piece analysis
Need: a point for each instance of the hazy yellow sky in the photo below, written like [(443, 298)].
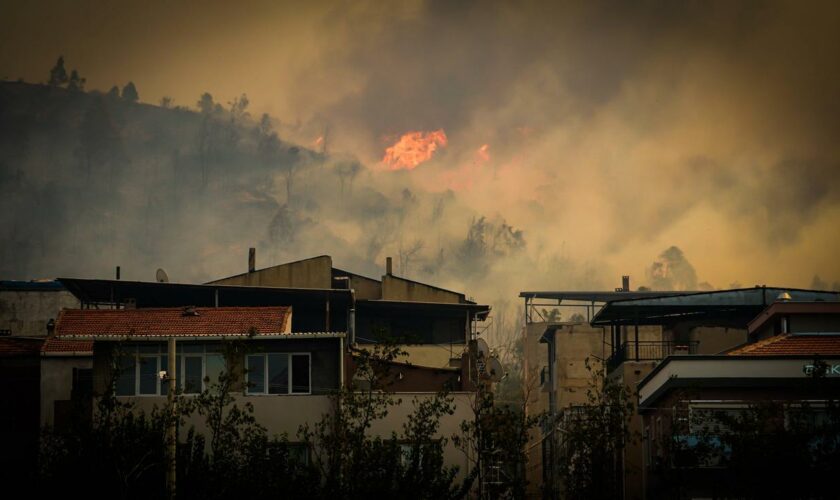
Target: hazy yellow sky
[(614, 129)]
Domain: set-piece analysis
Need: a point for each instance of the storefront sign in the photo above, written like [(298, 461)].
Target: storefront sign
[(830, 370)]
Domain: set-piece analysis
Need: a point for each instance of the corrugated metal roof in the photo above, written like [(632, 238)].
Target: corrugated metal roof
[(724, 307), (32, 286), (594, 296)]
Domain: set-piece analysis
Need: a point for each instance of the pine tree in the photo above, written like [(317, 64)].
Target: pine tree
[(58, 75), (76, 82), (129, 92)]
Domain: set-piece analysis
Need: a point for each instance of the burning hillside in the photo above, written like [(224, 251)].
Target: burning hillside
[(414, 148)]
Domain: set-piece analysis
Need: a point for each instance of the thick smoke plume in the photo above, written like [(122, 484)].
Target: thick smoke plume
[(581, 140)]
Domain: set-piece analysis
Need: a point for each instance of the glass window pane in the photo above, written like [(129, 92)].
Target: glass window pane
[(214, 366), (299, 453), (192, 374), (148, 374), (148, 348), (256, 374), (126, 376), (278, 373), (300, 373), (192, 348)]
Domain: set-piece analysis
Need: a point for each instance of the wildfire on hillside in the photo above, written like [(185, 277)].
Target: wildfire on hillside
[(414, 148)]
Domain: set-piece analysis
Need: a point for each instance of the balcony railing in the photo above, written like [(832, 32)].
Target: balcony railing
[(650, 350)]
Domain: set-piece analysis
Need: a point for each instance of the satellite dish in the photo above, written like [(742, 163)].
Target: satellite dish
[(161, 277), (495, 370), (482, 349)]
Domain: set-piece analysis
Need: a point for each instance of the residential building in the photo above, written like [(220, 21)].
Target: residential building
[(26, 307), (792, 360), (336, 314), (19, 398), (558, 344), (692, 324)]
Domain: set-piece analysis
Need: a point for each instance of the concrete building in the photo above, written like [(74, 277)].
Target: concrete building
[(26, 307), (792, 360), (558, 340), (692, 325), (27, 311), (336, 313), (19, 400), (434, 325)]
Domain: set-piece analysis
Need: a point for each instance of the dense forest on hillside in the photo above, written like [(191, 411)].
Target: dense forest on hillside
[(92, 180)]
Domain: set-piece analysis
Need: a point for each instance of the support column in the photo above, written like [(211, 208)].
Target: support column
[(172, 428)]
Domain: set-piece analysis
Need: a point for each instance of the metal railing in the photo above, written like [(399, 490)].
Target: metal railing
[(650, 350)]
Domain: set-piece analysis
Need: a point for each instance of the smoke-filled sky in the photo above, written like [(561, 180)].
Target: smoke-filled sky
[(592, 136)]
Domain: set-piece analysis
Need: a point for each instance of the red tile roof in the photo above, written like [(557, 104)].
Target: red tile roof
[(18, 346), (175, 321), (792, 345), (57, 346)]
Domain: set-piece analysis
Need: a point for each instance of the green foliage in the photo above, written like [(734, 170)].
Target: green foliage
[(76, 82), (205, 104), (494, 441), (121, 451), (741, 447), (129, 92), (356, 463), (242, 460), (552, 315), (58, 75), (591, 438)]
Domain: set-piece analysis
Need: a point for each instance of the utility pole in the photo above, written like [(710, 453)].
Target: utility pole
[(172, 429)]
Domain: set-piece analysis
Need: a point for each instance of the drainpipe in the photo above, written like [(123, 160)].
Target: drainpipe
[(549, 338), (340, 363), (351, 326)]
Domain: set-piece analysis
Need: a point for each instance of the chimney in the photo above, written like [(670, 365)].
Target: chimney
[(189, 311), (118, 272), (50, 327), (625, 283), (388, 266), (252, 259)]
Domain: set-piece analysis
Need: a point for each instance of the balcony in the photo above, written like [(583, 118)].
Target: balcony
[(649, 350)]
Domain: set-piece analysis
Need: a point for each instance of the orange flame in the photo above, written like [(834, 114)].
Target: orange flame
[(483, 154), (413, 149), (319, 141)]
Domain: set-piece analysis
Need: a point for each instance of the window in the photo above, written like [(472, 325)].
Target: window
[(296, 453), (279, 373), (418, 454), (197, 366), (126, 375)]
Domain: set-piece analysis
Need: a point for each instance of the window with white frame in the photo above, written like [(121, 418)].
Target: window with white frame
[(279, 373), (140, 367)]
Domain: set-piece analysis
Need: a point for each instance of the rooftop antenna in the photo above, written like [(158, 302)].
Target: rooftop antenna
[(161, 276)]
